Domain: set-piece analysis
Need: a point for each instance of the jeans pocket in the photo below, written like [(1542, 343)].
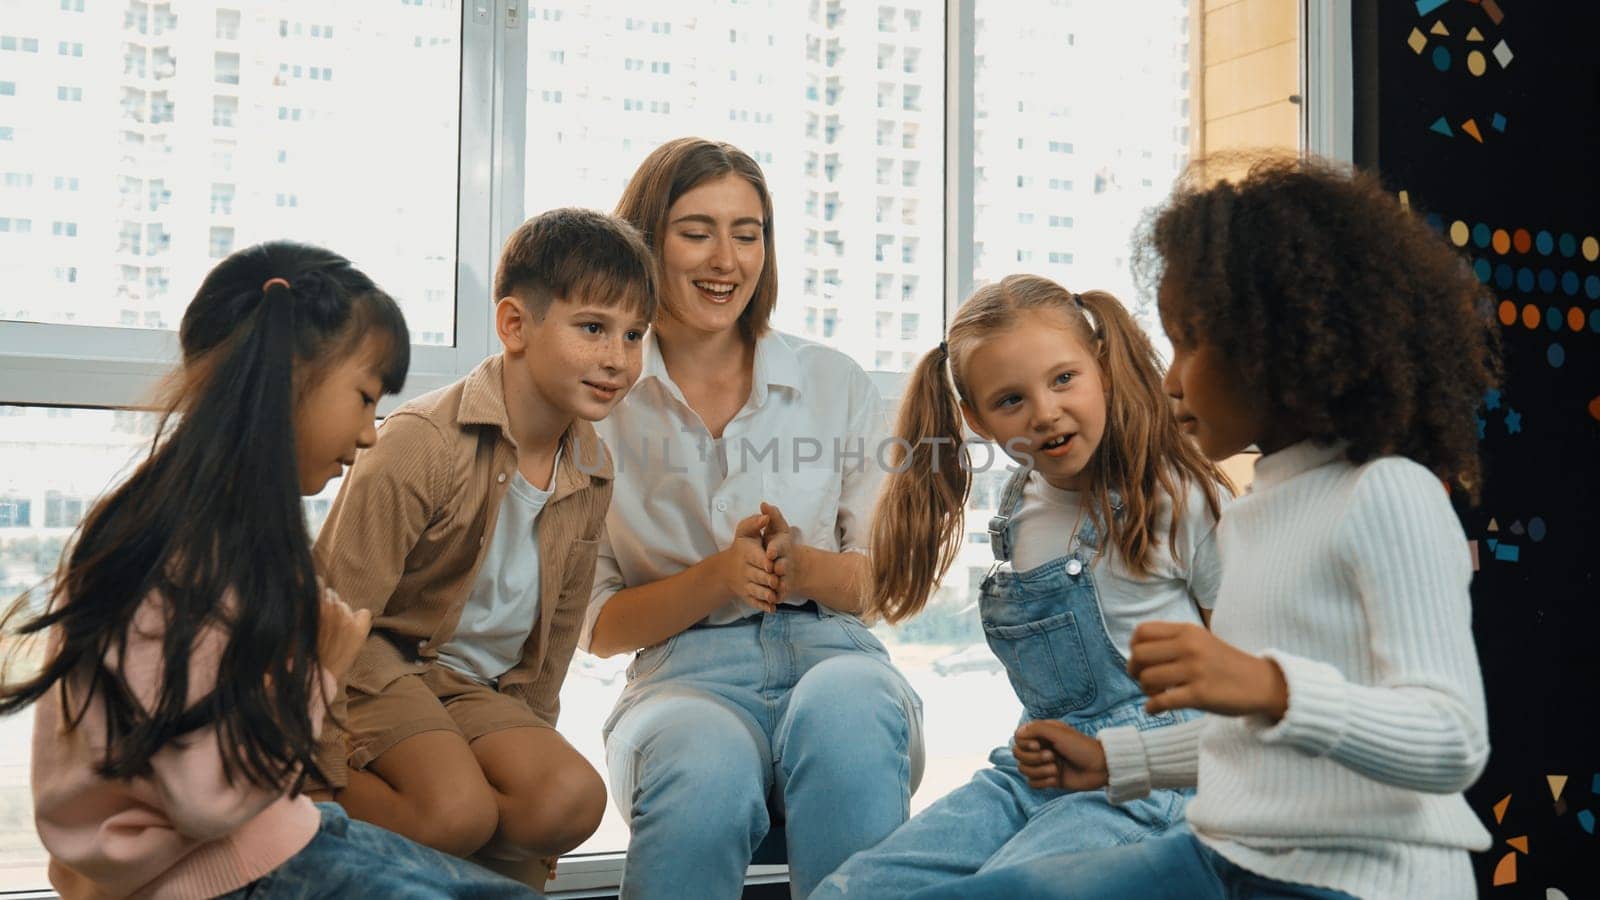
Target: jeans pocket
[(647, 661), (1046, 663)]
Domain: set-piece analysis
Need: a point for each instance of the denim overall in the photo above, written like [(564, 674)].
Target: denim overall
[(1045, 626)]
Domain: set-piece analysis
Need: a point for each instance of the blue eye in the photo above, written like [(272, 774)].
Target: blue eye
[(1063, 378), (1009, 400)]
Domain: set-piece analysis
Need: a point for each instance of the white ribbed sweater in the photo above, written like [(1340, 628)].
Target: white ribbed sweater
[(1354, 579)]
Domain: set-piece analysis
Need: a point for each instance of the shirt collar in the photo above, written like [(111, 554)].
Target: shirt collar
[(483, 402), (775, 365), (1275, 468)]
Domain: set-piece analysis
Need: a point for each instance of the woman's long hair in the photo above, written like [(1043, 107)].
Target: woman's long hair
[(916, 531), (211, 522)]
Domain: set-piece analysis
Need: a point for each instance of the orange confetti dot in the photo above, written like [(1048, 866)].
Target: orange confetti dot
[(1594, 407), (1522, 240), (1508, 312), (1505, 872), (1575, 319), (1530, 316), (1502, 241)]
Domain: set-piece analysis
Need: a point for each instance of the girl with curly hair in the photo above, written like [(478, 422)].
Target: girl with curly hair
[(1311, 316)]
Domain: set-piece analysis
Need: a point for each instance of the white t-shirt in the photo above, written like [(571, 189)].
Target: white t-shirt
[(1042, 531), (504, 606)]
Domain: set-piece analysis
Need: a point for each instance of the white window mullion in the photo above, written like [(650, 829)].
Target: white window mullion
[(475, 198), (958, 153)]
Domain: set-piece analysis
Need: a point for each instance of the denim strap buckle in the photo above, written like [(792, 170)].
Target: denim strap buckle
[(999, 541)]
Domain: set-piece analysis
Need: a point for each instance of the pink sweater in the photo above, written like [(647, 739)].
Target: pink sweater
[(181, 831)]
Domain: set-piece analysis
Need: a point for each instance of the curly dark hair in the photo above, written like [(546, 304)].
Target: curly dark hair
[(1342, 309)]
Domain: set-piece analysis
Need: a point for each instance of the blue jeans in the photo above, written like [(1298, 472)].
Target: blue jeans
[(350, 859), (797, 714), (993, 822), (1045, 626), (1177, 867)]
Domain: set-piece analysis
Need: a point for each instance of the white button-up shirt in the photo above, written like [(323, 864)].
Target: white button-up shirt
[(811, 440)]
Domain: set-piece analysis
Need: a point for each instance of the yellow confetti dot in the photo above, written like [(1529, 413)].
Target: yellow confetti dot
[(1591, 249), (1416, 41), (1459, 233), (1476, 63)]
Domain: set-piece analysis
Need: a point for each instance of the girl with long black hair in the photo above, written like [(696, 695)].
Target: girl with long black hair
[(191, 647)]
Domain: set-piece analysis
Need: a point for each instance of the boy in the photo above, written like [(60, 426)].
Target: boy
[(469, 530)]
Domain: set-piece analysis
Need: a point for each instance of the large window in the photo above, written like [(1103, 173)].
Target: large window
[(331, 123), (915, 149), (608, 82)]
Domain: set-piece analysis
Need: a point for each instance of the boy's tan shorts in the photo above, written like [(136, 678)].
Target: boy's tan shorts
[(436, 699)]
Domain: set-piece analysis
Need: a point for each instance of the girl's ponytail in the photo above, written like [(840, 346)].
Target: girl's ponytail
[(1144, 454), (916, 531), (211, 524)]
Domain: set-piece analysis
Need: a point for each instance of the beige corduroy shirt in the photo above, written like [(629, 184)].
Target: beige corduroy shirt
[(412, 524)]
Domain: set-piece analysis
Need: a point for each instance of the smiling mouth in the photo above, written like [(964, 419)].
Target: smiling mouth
[(718, 292), (606, 389), (1057, 446)]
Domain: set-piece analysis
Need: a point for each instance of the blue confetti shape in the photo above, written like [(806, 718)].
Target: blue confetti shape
[(1441, 58), (1525, 280), (1547, 281), (1553, 319), (1504, 277), (1513, 421), (1536, 530), (1586, 819), (1594, 786), (1546, 243), (1481, 235), (1491, 398), (1506, 553), (1556, 355), (1498, 123), (1492, 542), (1591, 287), (1569, 283), (1427, 6), (1569, 245), (1482, 269), (1440, 126)]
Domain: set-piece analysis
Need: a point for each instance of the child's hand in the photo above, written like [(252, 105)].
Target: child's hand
[(340, 634), (1053, 754), (784, 553), (742, 569), (1182, 666)]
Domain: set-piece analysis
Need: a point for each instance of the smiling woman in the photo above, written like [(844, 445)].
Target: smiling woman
[(717, 558)]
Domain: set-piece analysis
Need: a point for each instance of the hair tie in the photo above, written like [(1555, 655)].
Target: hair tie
[(944, 349), (1078, 299), (272, 281)]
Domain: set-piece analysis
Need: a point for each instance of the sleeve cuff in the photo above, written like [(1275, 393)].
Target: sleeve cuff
[(1127, 763), (1314, 722)]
